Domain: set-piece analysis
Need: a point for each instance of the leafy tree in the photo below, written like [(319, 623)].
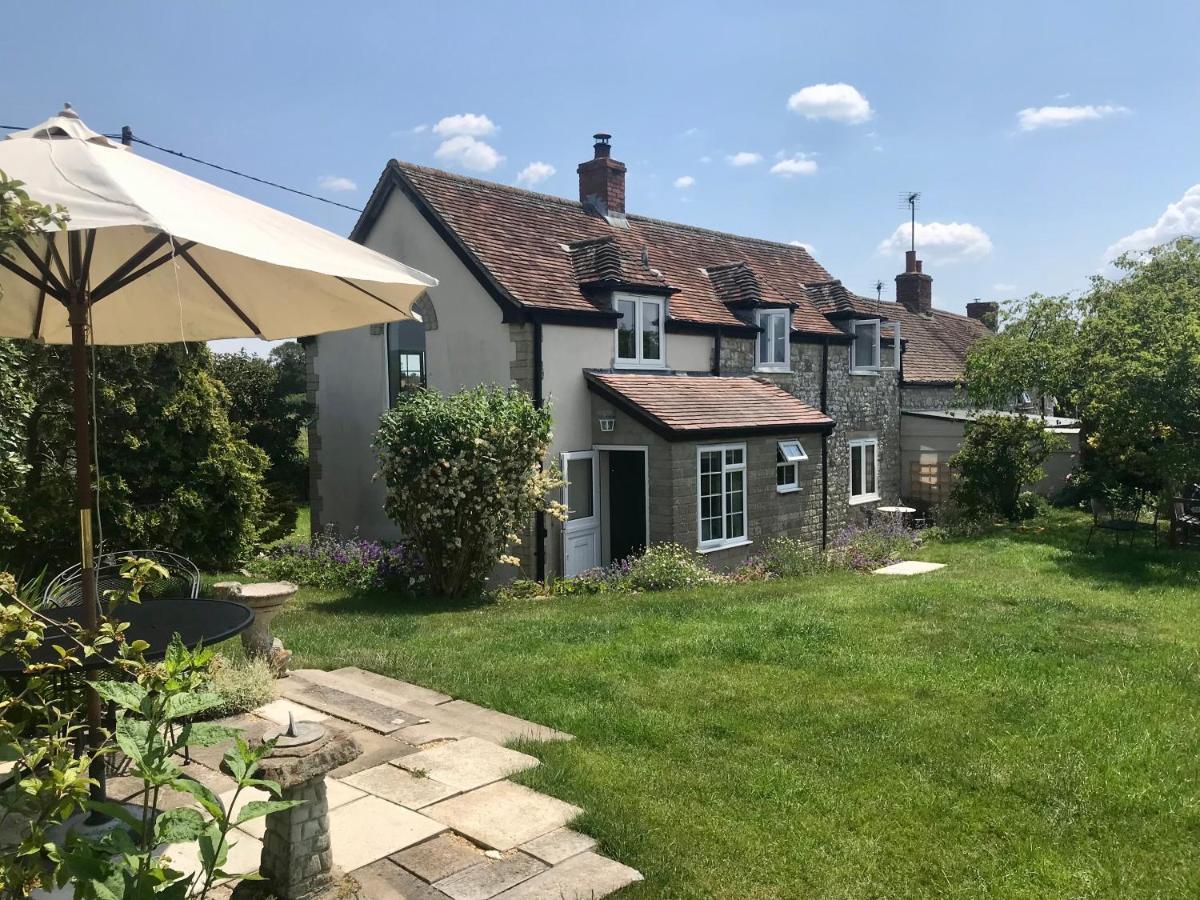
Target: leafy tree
[(291, 363), (1124, 357), (1000, 454), (267, 406), (463, 477)]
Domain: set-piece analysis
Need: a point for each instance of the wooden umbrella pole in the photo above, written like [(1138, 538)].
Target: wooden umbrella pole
[(78, 317)]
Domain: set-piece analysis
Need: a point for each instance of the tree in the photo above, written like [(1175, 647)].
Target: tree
[(1000, 454), (271, 414), (463, 477), (1124, 357)]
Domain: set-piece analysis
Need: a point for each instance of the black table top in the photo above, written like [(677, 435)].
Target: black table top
[(155, 622)]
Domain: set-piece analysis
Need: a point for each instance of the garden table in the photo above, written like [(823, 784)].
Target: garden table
[(898, 511)]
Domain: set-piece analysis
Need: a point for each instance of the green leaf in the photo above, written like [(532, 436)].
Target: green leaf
[(256, 809), (116, 811), (203, 793), (126, 694), (179, 825), (191, 703)]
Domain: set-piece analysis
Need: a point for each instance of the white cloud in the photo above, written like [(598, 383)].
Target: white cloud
[(418, 129), (799, 164), (1032, 118), (812, 251), (465, 123), (535, 173), (469, 153), (1062, 96), (683, 182), (706, 159), (336, 183), (1001, 288), (837, 102), (943, 242), (744, 158), (1179, 219)]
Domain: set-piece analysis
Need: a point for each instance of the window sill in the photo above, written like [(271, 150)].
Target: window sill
[(774, 369), (635, 364), (794, 489), (713, 548), (874, 373), (865, 498)]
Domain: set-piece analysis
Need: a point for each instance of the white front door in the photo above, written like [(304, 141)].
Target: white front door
[(581, 496)]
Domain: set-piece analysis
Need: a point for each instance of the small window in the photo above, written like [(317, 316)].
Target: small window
[(772, 352), (889, 345), (864, 474), (788, 456), (864, 354), (721, 495), (640, 331), (405, 366)]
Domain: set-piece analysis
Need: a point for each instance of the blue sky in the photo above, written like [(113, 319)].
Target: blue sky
[(900, 96)]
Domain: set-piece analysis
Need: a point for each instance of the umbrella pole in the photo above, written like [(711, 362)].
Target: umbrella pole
[(77, 311)]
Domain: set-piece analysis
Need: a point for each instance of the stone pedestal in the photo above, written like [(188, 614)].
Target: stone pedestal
[(297, 862), (265, 599)]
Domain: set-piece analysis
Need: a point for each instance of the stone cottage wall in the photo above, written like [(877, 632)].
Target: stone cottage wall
[(921, 397)]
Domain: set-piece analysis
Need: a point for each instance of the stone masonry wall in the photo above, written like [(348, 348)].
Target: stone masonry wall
[(314, 435), (919, 397)]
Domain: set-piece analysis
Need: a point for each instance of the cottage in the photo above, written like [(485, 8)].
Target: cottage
[(706, 388)]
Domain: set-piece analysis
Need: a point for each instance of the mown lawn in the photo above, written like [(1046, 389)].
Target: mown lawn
[(1022, 724)]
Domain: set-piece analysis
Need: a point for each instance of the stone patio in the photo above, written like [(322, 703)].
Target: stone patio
[(426, 812)]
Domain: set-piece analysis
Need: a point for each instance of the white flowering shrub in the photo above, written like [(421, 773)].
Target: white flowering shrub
[(464, 478)]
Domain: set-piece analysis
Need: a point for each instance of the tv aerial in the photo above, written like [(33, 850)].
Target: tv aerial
[(910, 200)]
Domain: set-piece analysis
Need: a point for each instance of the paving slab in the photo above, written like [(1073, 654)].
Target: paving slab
[(910, 567), (252, 728), (391, 687), (469, 720), (376, 749), (336, 794), (559, 845), (384, 880), (503, 815), (368, 829), (583, 877), (467, 764), (245, 852), (440, 857), (429, 733), (344, 705), (399, 786), (490, 877), (277, 711)]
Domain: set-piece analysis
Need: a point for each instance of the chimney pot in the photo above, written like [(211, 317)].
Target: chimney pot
[(914, 289), (602, 180)]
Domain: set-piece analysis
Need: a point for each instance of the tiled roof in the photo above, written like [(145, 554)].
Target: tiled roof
[(693, 406), (936, 345), (613, 261), (523, 240)]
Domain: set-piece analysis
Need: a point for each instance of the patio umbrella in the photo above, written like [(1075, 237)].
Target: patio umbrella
[(150, 255)]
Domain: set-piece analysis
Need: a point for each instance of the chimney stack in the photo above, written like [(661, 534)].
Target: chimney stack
[(914, 289), (986, 311), (602, 180)]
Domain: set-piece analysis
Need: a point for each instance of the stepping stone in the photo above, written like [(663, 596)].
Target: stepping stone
[(370, 828), (440, 857), (491, 877), (400, 690), (909, 568), (244, 855), (467, 764), (503, 815), (559, 845), (478, 721), (398, 786), (376, 716), (376, 749), (583, 877), (277, 711), (384, 880)]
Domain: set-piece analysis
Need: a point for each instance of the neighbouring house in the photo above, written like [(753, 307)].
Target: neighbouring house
[(707, 388)]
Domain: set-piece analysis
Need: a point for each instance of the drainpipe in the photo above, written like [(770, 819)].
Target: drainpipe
[(716, 366), (539, 525), (824, 446)]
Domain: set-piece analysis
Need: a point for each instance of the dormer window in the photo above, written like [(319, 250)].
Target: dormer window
[(640, 331), (864, 353), (772, 352)]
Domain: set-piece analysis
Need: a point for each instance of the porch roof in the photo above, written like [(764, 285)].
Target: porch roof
[(690, 407)]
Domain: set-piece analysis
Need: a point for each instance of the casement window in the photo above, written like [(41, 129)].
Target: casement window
[(889, 345), (721, 495), (772, 351), (864, 352), (864, 470), (640, 340), (788, 456), (405, 366)]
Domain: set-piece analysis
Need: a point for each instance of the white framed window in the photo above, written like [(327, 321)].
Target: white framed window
[(641, 339), (721, 495), (788, 456), (771, 354), (864, 470), (864, 352), (889, 345)]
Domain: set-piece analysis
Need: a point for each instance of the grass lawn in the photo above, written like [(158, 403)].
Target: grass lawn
[(1022, 724)]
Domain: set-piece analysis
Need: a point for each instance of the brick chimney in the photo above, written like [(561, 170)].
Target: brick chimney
[(913, 287), (602, 181), (986, 311)]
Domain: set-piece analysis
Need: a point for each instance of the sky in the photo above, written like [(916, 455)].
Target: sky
[(1043, 137)]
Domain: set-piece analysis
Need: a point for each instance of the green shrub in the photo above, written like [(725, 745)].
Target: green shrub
[(464, 477), (862, 547), (524, 589), (242, 686), (332, 563), (999, 455), (1031, 505), (783, 557), (666, 567)]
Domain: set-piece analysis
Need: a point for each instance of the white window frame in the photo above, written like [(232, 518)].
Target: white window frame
[(723, 542), (788, 449), (892, 330), (863, 370), (639, 361), (863, 497), (764, 318)]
